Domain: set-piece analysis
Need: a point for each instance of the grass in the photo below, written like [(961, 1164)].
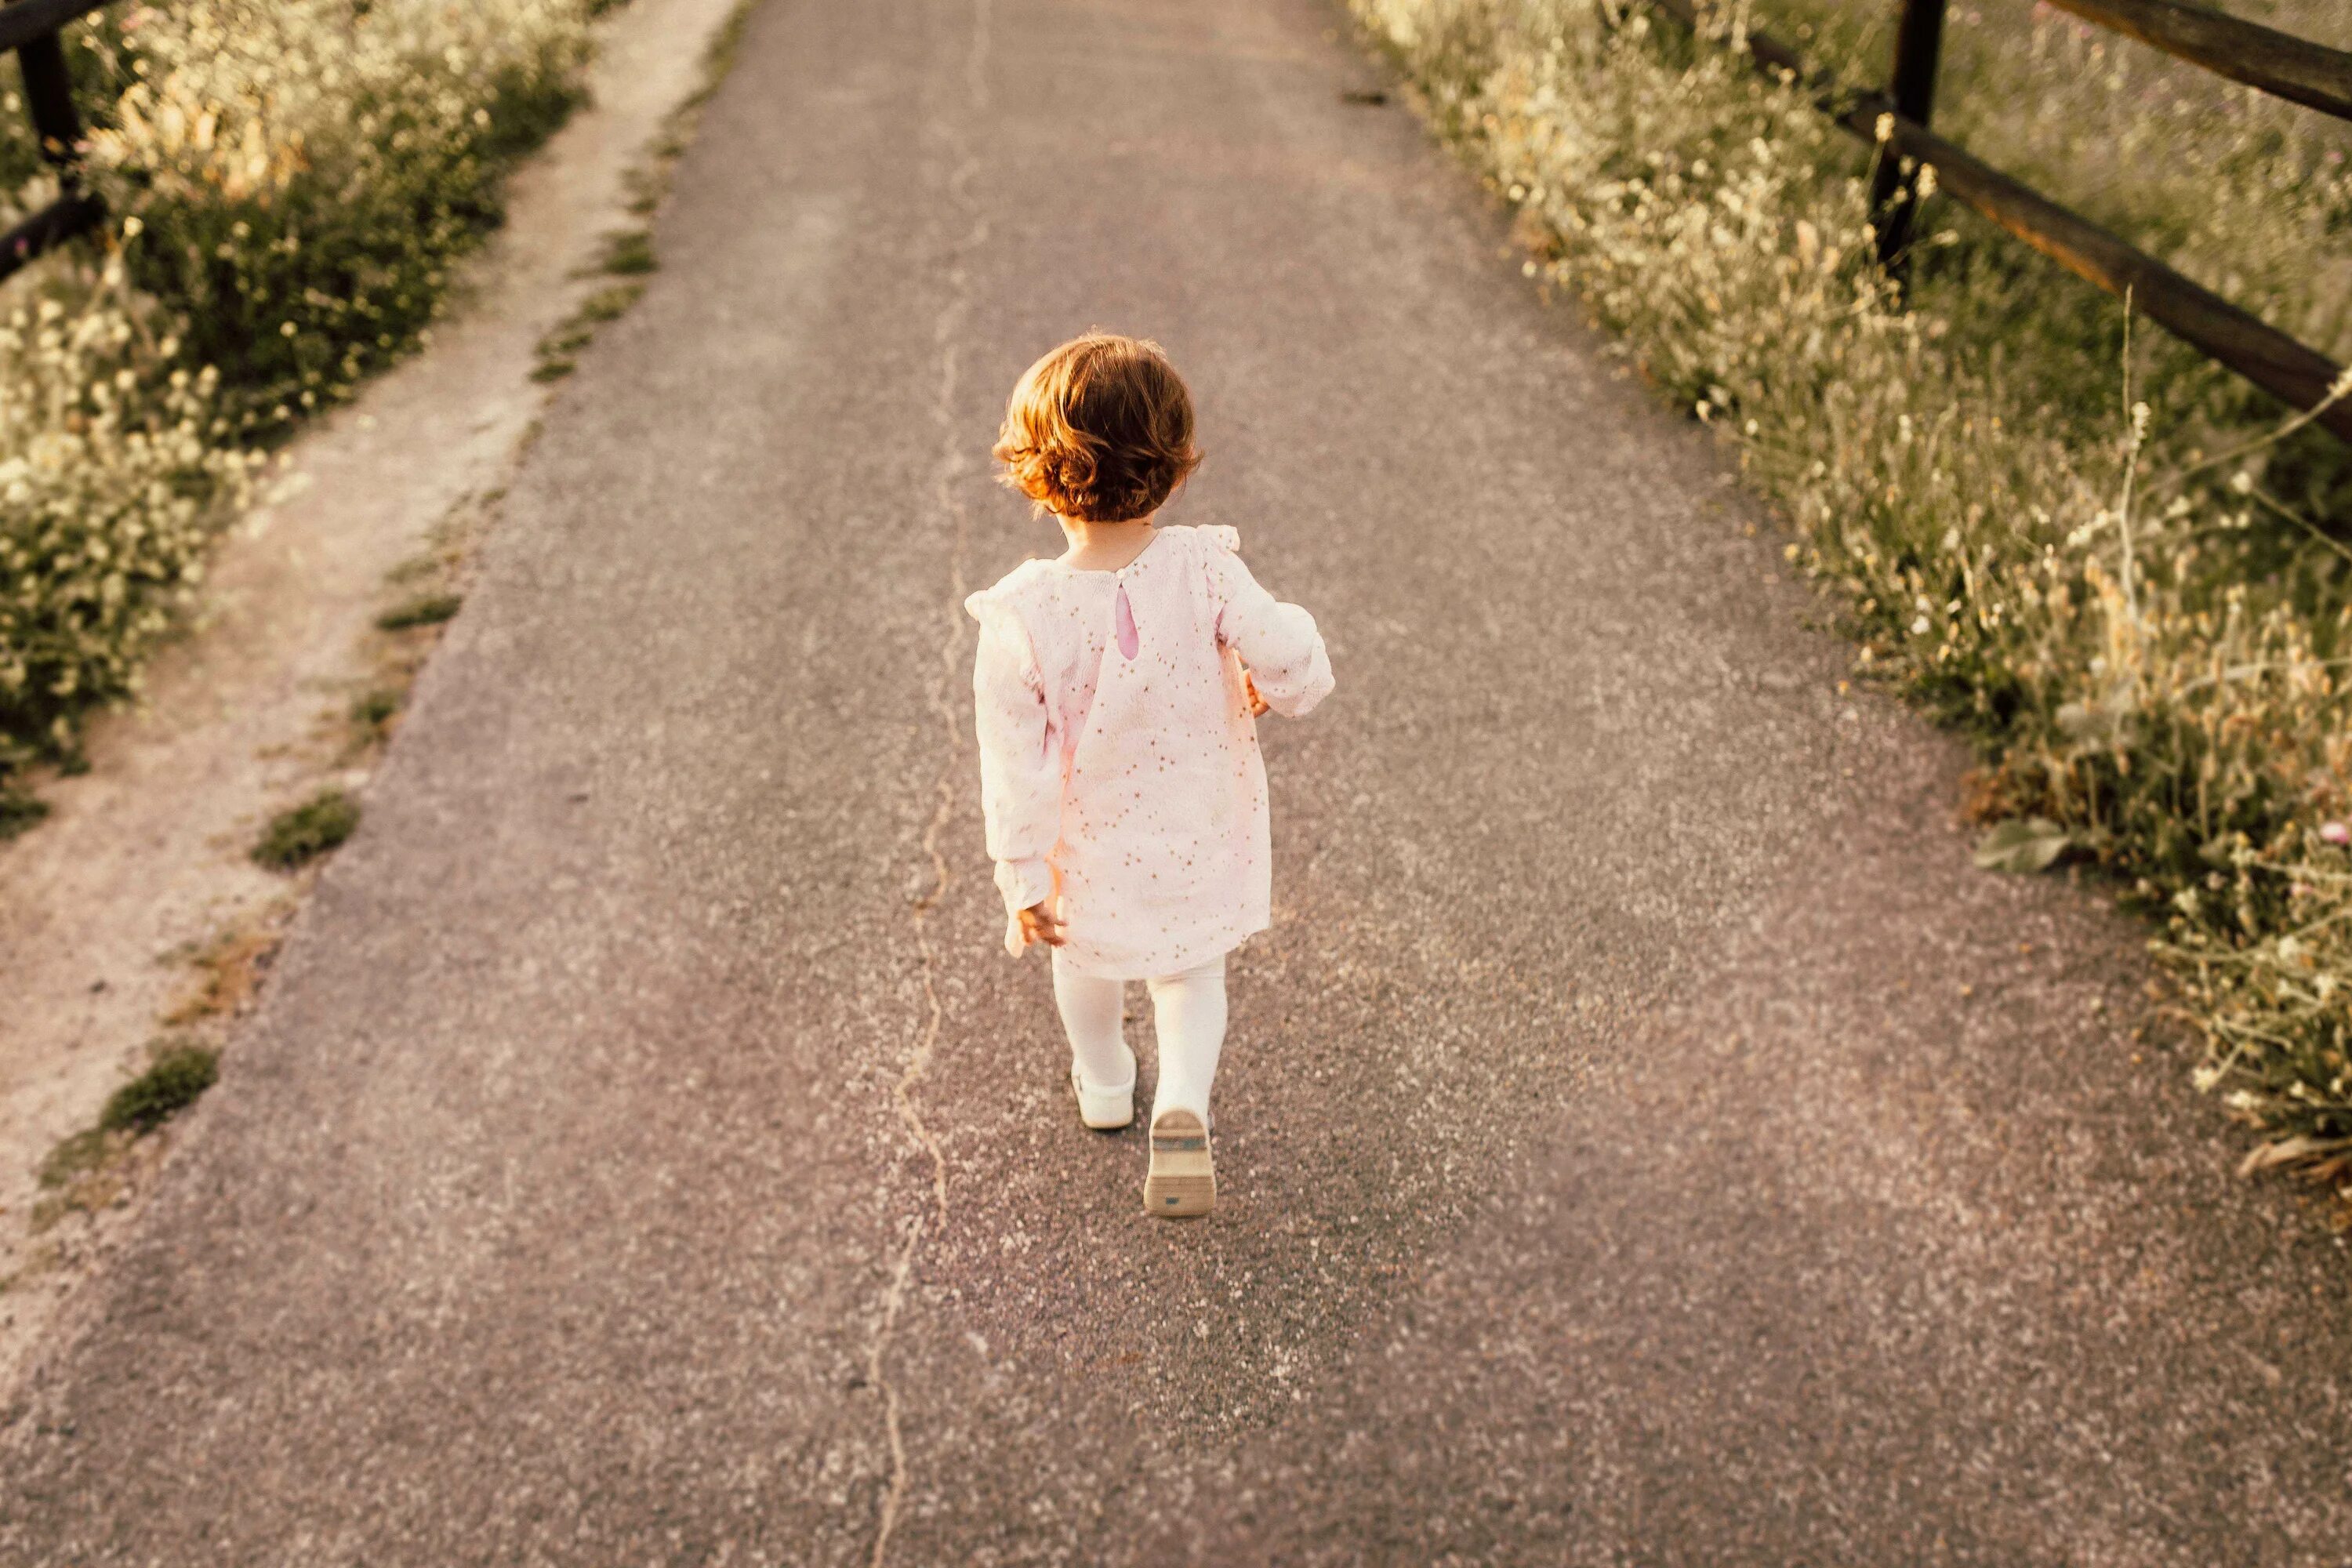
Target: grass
[(77, 1157), (424, 610), (391, 128), (89, 1171), (425, 563), (558, 351), (630, 253), (718, 59), (373, 711), (228, 972), (171, 1084), (301, 834), (2103, 558), (84, 1174), (608, 304), (18, 810)]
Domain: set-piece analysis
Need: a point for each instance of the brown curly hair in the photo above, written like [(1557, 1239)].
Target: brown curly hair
[(1099, 430)]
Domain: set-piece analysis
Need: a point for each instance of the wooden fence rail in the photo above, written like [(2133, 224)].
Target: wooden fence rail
[(2293, 372), (30, 27), (2278, 63)]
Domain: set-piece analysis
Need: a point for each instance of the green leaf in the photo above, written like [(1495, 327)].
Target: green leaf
[(2025, 845)]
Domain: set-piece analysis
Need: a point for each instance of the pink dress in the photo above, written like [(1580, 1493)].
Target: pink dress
[(1119, 763)]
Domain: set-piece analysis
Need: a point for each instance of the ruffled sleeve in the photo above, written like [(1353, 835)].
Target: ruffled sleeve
[(1277, 642), (1020, 774)]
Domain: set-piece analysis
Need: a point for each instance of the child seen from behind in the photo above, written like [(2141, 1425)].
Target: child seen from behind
[(1118, 689)]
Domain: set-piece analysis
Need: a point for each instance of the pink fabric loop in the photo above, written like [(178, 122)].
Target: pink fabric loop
[(1123, 618)]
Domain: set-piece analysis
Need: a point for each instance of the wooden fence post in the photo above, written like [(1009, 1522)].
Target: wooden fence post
[(48, 94), (1893, 191), (48, 98)]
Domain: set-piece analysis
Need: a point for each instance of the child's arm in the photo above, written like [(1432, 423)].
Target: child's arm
[(1020, 777), (1289, 670)]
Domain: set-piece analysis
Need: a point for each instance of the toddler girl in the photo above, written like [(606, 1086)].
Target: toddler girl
[(1118, 689)]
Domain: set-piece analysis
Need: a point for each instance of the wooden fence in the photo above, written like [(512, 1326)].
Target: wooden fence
[(30, 27), (2262, 58)]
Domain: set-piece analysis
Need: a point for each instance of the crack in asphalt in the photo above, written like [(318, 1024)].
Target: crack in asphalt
[(954, 465), (897, 1492)]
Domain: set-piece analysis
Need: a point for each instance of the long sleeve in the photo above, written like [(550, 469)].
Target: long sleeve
[(1277, 642), (1020, 776)]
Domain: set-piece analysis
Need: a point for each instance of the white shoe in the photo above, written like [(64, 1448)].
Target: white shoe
[(1104, 1110), (1182, 1182)]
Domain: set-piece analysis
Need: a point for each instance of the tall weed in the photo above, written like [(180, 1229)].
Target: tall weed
[(305, 172), (2146, 637), (288, 184), (114, 472)]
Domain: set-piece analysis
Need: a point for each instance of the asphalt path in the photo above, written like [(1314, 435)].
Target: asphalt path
[(1643, 1138)]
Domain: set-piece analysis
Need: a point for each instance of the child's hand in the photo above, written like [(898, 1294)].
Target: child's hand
[(1036, 925), (1257, 705)]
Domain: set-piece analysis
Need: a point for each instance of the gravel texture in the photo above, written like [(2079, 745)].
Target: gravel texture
[(1644, 1137)]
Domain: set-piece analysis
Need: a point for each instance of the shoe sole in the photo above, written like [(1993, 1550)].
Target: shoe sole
[(1182, 1179)]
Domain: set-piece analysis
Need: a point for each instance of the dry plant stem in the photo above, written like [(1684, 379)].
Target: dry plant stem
[(2134, 421)]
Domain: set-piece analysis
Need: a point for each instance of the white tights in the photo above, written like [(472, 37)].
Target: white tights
[(1188, 1010)]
